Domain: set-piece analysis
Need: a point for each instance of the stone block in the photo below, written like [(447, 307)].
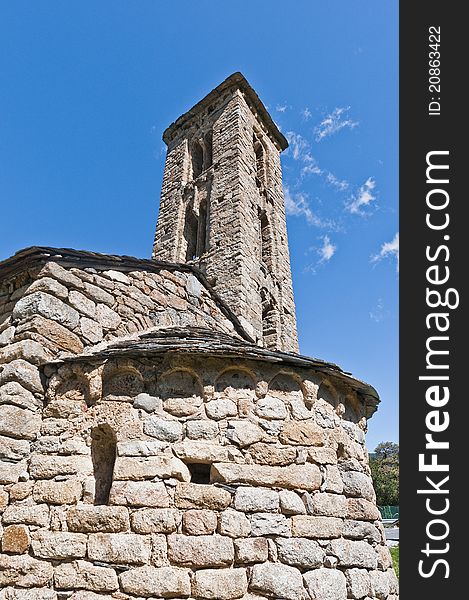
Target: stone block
[(219, 584), (163, 429), (19, 423), (155, 520), (14, 393), (244, 433), (362, 510), (15, 539), (358, 583), (221, 409), (94, 519), (24, 571), (201, 430), (300, 552), (139, 493), (23, 374), (306, 477), (58, 492), (326, 584), (303, 433), (28, 514), (328, 505), (200, 551), (85, 575), (251, 550), (49, 307), (119, 548), (47, 467), (270, 454), (199, 521), (277, 580), (316, 527), (271, 408), (291, 503), (270, 524), (234, 524), (163, 467), (354, 553), (58, 545), (12, 449), (358, 485), (164, 582), (194, 495), (250, 499), (361, 530)]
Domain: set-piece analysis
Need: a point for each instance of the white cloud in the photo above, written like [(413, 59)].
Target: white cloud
[(333, 181), (363, 198), (333, 123), (327, 250), (296, 204), (299, 146), (378, 313), (389, 249), (281, 108), (306, 114)]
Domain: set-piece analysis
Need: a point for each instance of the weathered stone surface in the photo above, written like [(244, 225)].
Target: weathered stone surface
[(13, 393), (4, 497), (291, 503), (303, 433), (46, 467), (162, 429), (316, 527), (234, 524), (31, 594), (64, 408), (362, 510), (271, 408), (58, 492), (300, 552), (200, 551), (358, 583), (206, 452), (322, 455), (332, 480), (119, 548), (82, 304), (141, 448), (201, 430), (164, 467), (199, 521), (192, 495), (164, 582), (94, 519), (244, 433), (277, 580), (24, 571), (328, 505), (379, 584), (98, 295), (107, 317), (183, 407), (10, 472), (23, 373), (15, 539), (56, 271), (47, 284), (147, 403), (251, 550), (58, 544), (29, 514), (250, 499), (270, 524), (306, 477), (354, 553), (326, 584), (155, 520), (361, 530), (49, 307), (28, 350), (139, 493), (19, 423), (220, 584), (7, 335), (221, 409), (85, 575), (59, 335), (358, 485), (91, 330), (269, 454), (12, 449)]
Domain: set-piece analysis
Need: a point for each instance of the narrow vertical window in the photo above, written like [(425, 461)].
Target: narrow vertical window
[(269, 320), (103, 456), (191, 226), (197, 156), (260, 161), (208, 149), (202, 229), (266, 241)]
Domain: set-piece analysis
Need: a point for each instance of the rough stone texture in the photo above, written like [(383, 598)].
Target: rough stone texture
[(200, 551), (280, 581), (171, 451), (164, 582), (220, 584), (15, 539), (326, 584)]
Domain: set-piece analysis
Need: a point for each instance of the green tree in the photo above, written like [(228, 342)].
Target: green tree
[(384, 464)]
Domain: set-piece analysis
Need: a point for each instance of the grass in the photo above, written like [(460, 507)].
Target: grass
[(395, 558)]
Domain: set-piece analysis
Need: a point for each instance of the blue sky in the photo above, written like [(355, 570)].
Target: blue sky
[(88, 88)]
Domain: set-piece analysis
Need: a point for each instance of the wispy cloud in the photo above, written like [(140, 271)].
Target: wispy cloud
[(281, 108), (333, 123), (363, 198), (306, 114), (379, 313), (296, 204), (389, 249), (300, 147), (327, 250), (333, 181)]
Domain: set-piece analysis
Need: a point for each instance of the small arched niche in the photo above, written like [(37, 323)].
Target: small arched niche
[(180, 391), (235, 383), (328, 393), (285, 386), (197, 159), (122, 384), (103, 456)]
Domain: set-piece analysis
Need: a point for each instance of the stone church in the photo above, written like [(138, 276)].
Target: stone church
[(160, 435)]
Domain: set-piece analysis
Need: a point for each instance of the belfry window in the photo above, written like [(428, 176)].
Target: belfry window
[(266, 241), (260, 160), (191, 228), (208, 150), (197, 156)]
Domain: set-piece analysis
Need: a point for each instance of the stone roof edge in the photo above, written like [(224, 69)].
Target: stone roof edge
[(236, 80), (36, 255)]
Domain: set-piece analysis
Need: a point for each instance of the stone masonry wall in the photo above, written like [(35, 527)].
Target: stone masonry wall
[(185, 476), (245, 251)]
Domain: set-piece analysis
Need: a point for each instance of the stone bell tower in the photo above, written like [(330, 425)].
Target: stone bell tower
[(222, 208)]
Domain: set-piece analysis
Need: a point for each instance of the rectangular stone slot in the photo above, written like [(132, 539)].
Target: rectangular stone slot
[(200, 472), (103, 455)]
